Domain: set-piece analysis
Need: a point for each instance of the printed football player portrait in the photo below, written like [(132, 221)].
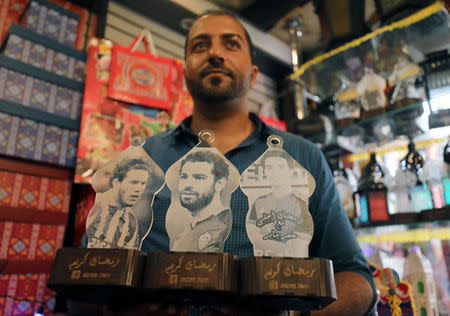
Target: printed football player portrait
[(278, 221), (122, 213), (199, 218)]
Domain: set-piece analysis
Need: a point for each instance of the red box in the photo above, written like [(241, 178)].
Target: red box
[(20, 240), (26, 241), (6, 187), (49, 240), (29, 193), (40, 193), (10, 12), (26, 293)]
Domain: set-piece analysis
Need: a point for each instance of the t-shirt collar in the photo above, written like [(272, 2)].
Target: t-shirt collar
[(261, 129)]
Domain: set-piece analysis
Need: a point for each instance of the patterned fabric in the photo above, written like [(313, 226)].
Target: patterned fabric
[(51, 23), (395, 294), (26, 241), (28, 290), (37, 141), (44, 57), (39, 94)]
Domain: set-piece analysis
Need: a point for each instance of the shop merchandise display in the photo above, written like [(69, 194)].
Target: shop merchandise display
[(345, 190), (107, 123), (42, 73), (34, 206), (412, 165), (121, 220), (35, 88), (419, 273), (142, 77), (415, 86), (395, 297), (30, 47), (10, 12), (30, 139), (108, 126), (371, 197), (52, 21), (371, 88), (347, 105), (30, 289)]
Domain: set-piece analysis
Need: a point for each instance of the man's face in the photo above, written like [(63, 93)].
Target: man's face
[(218, 65), (132, 187), (196, 185), (277, 171)]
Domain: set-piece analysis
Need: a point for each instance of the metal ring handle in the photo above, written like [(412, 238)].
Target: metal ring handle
[(275, 141), (206, 135)]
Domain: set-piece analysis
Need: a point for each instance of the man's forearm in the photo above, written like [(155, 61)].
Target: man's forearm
[(354, 296)]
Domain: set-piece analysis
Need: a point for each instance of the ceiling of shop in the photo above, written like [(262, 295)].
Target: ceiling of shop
[(265, 18)]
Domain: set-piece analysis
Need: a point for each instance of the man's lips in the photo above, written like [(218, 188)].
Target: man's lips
[(188, 195), (216, 71)]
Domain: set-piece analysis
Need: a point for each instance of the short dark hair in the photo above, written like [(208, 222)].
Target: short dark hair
[(121, 170), (219, 13), (278, 154), (220, 167)]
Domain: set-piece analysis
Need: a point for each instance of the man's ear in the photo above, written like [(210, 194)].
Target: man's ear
[(255, 71), (220, 184)]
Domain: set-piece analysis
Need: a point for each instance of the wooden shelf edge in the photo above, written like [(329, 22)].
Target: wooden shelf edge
[(25, 266), (425, 216), (35, 169), (25, 215)]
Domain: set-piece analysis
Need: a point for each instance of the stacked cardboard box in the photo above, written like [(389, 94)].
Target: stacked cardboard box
[(41, 86)]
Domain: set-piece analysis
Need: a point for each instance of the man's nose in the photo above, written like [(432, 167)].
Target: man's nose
[(216, 56)]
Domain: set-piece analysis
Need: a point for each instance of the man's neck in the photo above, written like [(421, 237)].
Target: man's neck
[(230, 127)]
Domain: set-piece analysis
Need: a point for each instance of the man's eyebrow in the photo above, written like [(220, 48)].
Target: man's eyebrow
[(200, 36), (226, 36), (231, 35)]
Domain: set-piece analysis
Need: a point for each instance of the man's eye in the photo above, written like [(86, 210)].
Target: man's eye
[(233, 44), (198, 45)]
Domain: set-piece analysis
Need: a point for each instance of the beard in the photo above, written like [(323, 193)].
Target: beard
[(199, 202), (214, 88)]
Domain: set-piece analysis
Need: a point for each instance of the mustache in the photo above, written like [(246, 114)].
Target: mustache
[(188, 191), (205, 71)]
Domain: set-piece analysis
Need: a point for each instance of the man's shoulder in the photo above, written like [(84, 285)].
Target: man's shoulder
[(160, 137), (302, 150), (290, 139)]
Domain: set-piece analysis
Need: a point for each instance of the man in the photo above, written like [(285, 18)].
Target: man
[(111, 223), (203, 176), (279, 223), (219, 73)]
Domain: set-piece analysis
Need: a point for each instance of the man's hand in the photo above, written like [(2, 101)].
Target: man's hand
[(151, 309), (142, 309), (236, 311), (354, 296)]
